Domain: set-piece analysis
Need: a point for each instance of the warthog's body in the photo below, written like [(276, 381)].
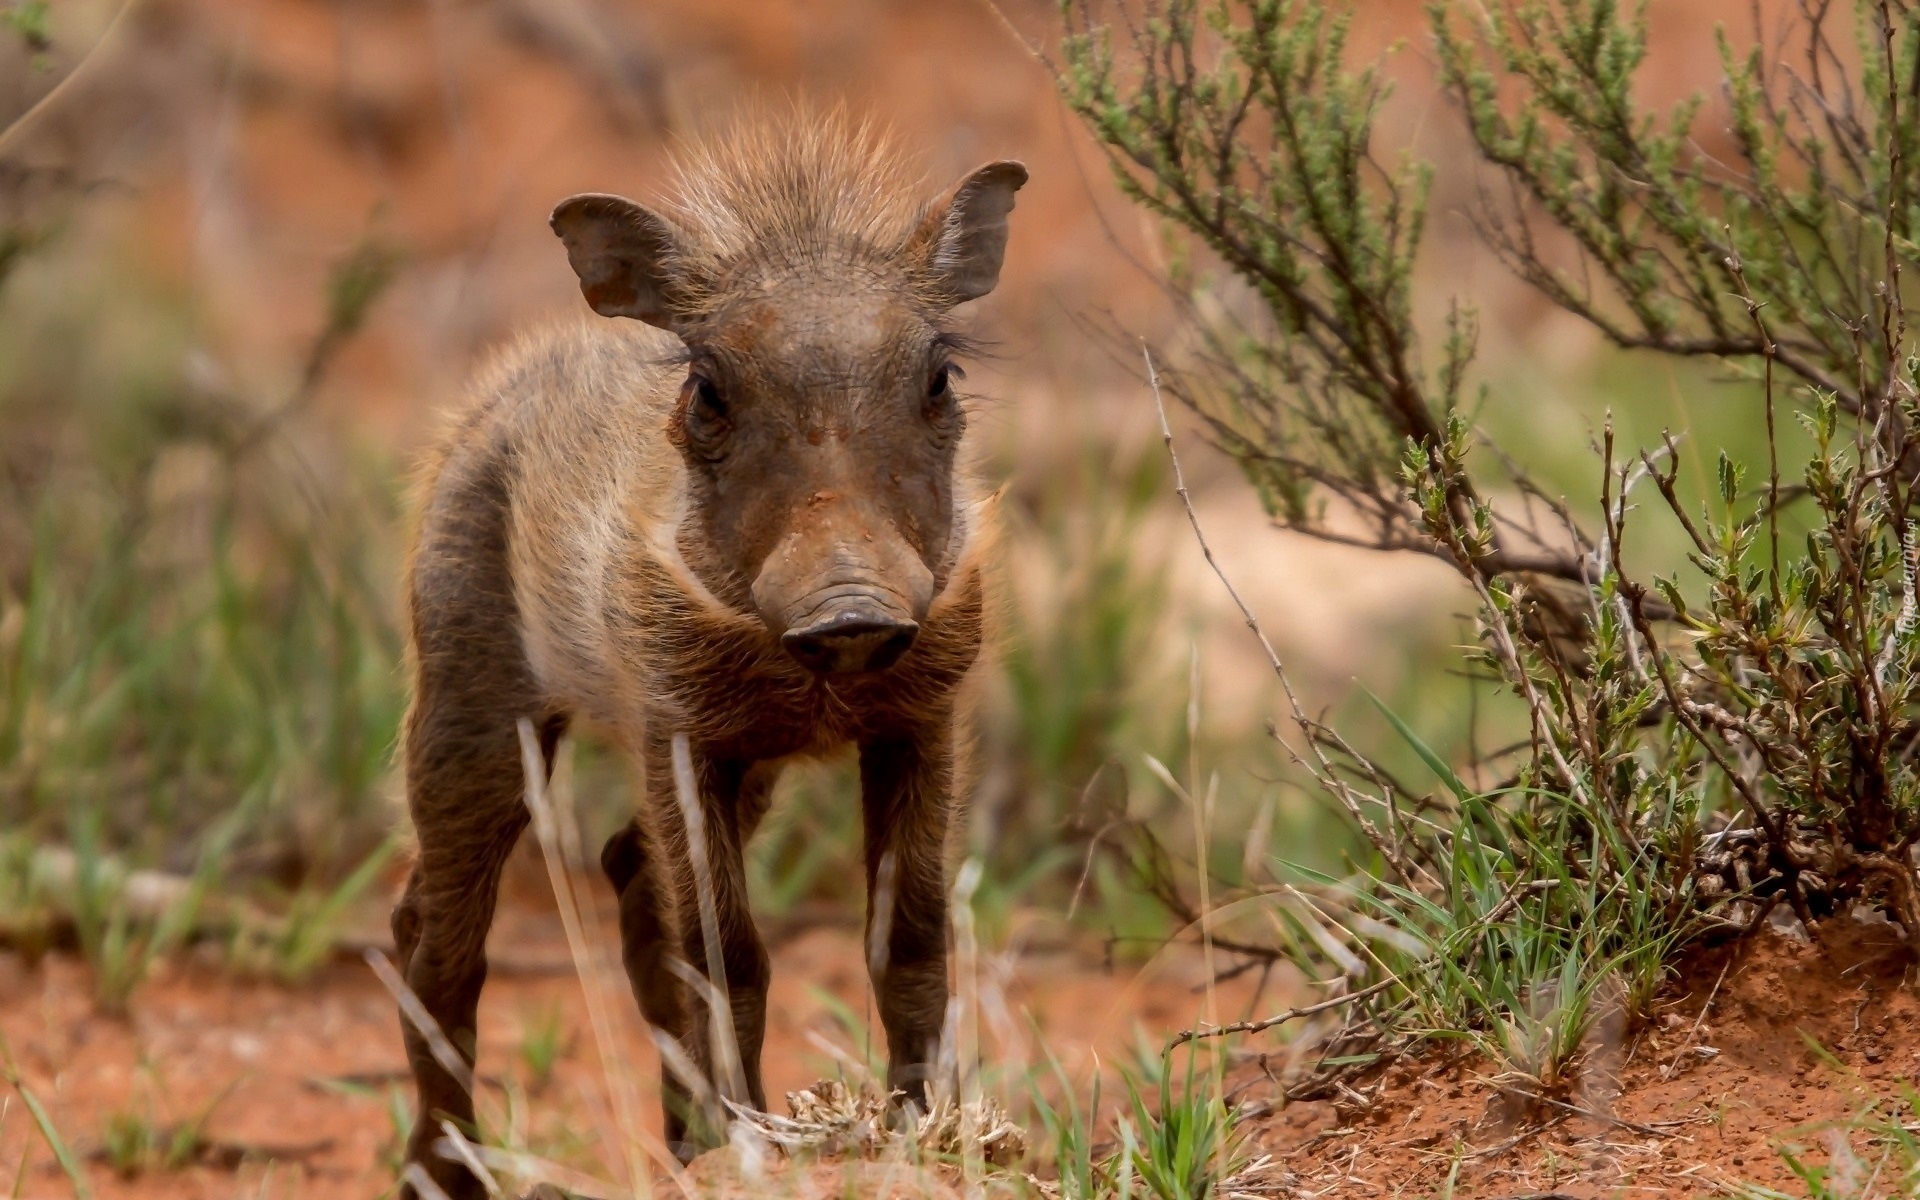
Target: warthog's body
[(750, 531)]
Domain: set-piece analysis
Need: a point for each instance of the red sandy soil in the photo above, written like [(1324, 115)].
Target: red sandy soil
[(1697, 1104), (297, 1076)]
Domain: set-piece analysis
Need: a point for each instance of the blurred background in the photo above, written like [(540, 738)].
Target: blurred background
[(253, 250), (249, 249)]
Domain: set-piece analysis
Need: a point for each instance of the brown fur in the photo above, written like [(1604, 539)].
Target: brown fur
[(728, 531)]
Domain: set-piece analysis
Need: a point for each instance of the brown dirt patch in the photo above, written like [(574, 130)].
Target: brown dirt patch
[(1762, 1045), (297, 1077)]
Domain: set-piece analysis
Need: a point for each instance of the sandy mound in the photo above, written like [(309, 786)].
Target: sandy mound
[(1781, 1042)]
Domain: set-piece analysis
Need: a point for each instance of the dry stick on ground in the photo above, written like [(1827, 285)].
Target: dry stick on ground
[(1332, 1002), (1693, 1034)]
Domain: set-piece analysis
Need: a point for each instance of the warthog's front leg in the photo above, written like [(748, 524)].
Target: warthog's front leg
[(907, 796), (651, 860)]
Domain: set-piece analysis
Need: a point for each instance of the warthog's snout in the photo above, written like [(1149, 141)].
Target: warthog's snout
[(856, 639), (843, 591)]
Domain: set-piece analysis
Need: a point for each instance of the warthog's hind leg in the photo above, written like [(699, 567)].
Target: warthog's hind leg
[(465, 786)]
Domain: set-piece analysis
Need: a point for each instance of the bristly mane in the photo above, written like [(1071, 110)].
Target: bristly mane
[(799, 189)]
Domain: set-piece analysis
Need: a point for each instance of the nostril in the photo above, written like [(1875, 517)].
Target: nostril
[(810, 652), (891, 648), (850, 642)]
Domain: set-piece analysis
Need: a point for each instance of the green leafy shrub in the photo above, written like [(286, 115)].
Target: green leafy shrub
[(1702, 736)]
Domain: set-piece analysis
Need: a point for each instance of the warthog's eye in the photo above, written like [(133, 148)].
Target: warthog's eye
[(940, 398), (706, 421)]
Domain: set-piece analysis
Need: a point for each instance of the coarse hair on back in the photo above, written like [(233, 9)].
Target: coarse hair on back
[(796, 188)]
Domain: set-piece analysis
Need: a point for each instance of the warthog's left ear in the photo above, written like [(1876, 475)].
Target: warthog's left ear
[(968, 234), (626, 256)]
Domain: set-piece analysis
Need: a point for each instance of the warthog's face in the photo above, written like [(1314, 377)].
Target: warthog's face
[(819, 418), (820, 424)]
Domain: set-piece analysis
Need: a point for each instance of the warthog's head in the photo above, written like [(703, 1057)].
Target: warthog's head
[(819, 419)]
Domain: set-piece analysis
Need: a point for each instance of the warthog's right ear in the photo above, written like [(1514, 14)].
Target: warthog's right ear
[(625, 256)]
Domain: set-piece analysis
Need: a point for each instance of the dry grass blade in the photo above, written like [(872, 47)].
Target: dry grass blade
[(450, 1060), (572, 1184), (423, 1185), (880, 928), (730, 1077), (456, 1146), (633, 1149), (48, 1131), (82, 71), (962, 1041)]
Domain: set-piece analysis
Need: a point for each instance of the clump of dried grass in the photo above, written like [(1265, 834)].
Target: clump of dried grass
[(832, 1120)]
